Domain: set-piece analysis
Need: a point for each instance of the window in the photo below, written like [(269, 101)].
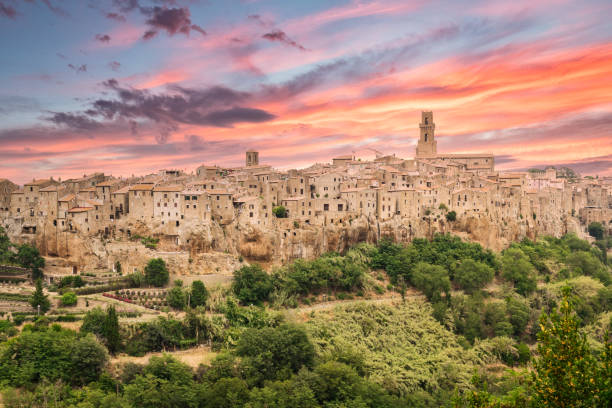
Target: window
[(187, 198), (325, 207)]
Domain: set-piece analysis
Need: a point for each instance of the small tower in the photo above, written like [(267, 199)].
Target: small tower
[(252, 158), (427, 145)]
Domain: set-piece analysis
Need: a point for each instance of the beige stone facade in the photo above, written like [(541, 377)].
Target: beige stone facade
[(227, 209)]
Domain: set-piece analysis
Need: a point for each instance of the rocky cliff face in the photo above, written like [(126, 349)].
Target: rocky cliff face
[(211, 248)]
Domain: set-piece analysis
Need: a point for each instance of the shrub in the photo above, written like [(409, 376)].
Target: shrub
[(71, 281), (451, 216), (596, 230), (69, 299), (280, 212)]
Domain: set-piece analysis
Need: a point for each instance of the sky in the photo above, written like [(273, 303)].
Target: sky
[(128, 87)]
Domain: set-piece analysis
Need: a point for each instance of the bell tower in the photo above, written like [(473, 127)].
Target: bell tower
[(252, 158), (427, 145)]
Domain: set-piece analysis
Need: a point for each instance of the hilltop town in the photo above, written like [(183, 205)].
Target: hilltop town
[(214, 218)]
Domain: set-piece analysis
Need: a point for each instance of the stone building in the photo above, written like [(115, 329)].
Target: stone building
[(387, 195)]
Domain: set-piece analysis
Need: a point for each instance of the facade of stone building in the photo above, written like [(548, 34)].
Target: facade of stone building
[(172, 205)]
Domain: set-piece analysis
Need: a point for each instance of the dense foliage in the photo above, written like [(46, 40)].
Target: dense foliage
[(473, 329), (24, 255), (156, 272), (51, 353), (69, 299)]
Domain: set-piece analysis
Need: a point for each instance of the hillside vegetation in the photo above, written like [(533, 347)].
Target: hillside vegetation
[(433, 323)]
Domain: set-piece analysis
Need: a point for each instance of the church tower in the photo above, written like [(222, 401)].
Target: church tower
[(427, 145), (252, 158)]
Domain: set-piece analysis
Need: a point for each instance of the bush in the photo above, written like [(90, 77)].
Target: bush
[(69, 299), (88, 290), (71, 281), (451, 216), (280, 212), (156, 273), (596, 230)]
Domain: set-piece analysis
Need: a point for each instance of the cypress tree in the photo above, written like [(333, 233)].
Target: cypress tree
[(110, 330), (39, 298)]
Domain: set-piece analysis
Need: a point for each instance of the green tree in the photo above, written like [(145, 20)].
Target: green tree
[(251, 284), (472, 275), (156, 272), (165, 382), (517, 269), (280, 212), (518, 312), (39, 298), (52, 353), (596, 230), (93, 322), (566, 374), (275, 353), (5, 244), (88, 360), (199, 294), (176, 298), (69, 299), (432, 280), (110, 330), (451, 216), (29, 257)]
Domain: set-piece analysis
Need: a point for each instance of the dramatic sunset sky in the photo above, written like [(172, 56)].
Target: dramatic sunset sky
[(130, 86)]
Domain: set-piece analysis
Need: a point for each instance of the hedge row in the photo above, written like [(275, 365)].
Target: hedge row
[(88, 290), (15, 297)]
